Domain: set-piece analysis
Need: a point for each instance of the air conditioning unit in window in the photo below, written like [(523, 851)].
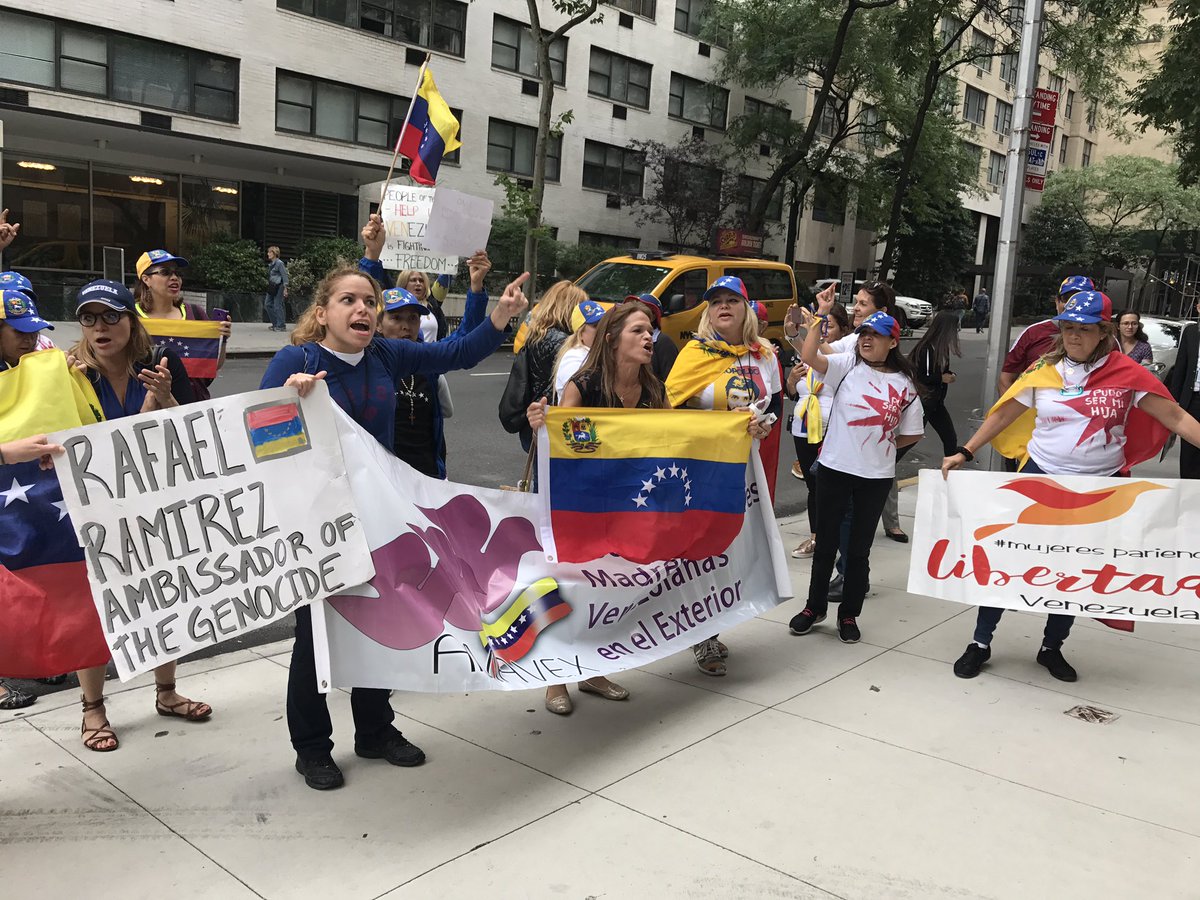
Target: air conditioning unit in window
[(1008, 88)]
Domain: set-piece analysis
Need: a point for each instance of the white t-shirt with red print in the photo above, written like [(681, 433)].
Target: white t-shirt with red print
[(744, 381), (870, 409), (1079, 431)]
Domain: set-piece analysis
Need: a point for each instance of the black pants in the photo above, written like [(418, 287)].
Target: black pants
[(838, 490), (938, 416), (1189, 454), (1058, 627), (806, 455), (307, 709)]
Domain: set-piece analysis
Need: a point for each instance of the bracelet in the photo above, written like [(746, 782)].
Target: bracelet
[(967, 454)]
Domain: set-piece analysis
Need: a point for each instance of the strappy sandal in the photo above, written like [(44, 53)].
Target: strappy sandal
[(194, 711), (14, 697), (93, 738)]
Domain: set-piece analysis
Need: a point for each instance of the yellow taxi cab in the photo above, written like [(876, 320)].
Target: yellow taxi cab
[(679, 283)]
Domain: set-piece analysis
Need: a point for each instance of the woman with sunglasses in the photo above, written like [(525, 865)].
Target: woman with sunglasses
[(130, 377), (158, 294), (726, 366), (336, 341)]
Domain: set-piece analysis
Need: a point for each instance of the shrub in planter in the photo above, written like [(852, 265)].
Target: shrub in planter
[(326, 253), (236, 266)]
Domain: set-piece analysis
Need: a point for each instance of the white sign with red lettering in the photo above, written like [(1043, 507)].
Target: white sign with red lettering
[(1041, 138)]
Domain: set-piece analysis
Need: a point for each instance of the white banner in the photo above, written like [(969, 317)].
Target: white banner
[(405, 210), (202, 522), (1109, 548), (460, 569), (459, 223)]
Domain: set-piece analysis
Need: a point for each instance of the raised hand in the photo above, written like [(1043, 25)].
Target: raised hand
[(373, 236), (512, 303), (158, 387), (826, 299), (478, 265), (536, 413), (8, 232), (303, 382)]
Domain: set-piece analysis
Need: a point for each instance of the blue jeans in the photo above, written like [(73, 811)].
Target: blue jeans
[(274, 307)]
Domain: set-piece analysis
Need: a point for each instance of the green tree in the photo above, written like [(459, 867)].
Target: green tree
[(327, 253), (229, 264), (1169, 98)]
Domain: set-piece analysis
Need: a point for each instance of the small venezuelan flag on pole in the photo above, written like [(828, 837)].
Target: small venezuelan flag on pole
[(430, 131)]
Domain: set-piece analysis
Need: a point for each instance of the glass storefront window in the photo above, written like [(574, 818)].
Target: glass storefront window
[(52, 207), (209, 212), (134, 210)]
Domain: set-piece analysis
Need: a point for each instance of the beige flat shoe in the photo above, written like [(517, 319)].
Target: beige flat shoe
[(611, 692), (560, 705), (806, 549)]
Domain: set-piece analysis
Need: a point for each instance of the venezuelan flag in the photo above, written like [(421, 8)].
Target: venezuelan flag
[(512, 636), (643, 484), (276, 429), (195, 341), (50, 621), (431, 132)]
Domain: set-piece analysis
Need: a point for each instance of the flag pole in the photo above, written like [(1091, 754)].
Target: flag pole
[(403, 128)]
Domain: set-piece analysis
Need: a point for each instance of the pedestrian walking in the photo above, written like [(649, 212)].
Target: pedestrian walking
[(726, 366), (1084, 408), (277, 290), (336, 341), (982, 305), (879, 412)]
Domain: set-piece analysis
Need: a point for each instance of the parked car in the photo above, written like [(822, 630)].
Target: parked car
[(1163, 335), (912, 312)]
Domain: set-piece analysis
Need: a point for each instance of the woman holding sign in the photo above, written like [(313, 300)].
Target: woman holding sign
[(117, 354), (158, 294), (727, 366), (336, 341), (1084, 408)]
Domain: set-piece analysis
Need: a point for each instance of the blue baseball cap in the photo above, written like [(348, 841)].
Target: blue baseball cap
[(21, 313), (112, 294), (158, 258), (1072, 284), (649, 299), (1087, 308), (727, 283), (15, 281), (880, 323), (591, 311), (399, 298)]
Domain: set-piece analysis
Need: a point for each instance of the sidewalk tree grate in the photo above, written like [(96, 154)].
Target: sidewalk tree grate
[(1093, 715)]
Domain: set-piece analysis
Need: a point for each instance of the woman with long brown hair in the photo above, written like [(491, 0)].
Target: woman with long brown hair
[(615, 375), (336, 341)]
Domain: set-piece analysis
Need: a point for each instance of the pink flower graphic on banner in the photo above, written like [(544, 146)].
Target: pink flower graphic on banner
[(413, 597)]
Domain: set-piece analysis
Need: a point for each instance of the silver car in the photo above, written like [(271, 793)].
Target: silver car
[(1163, 335)]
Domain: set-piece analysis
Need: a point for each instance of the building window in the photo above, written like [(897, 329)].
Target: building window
[(1002, 120), (689, 16), (982, 46), (1086, 159), (643, 8), (828, 125), (433, 24), (997, 164), (619, 78), (773, 118), (513, 50), (511, 150), (1062, 151), (828, 201), (975, 153), (600, 239), (1091, 117), (337, 112), (873, 128), (750, 190), (1057, 83), (1008, 69), (697, 101), (1070, 110), (975, 106), (135, 70), (613, 169), (950, 32)]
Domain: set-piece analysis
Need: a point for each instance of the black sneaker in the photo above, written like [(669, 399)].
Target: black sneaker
[(803, 621), (1059, 667), (972, 660), (848, 632), (320, 773), (393, 747), (835, 587)]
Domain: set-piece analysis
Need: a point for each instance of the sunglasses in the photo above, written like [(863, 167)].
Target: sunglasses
[(88, 319), (167, 272)]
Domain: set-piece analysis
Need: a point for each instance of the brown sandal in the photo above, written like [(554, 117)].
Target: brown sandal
[(94, 737), (195, 710)]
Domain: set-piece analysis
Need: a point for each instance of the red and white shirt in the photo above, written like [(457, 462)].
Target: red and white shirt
[(870, 409)]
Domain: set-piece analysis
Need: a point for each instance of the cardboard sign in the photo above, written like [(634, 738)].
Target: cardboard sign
[(459, 224), (406, 212), (203, 522)]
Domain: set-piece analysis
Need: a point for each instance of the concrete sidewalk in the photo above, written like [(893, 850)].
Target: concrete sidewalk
[(814, 769)]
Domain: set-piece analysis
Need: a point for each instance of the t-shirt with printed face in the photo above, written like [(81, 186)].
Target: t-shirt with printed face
[(1079, 431), (745, 381), (870, 409)]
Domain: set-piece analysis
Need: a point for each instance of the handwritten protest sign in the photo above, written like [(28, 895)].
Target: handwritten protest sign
[(459, 224), (203, 522), (405, 212), (1109, 548)]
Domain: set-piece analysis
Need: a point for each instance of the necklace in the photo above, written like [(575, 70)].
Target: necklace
[(1070, 366), (409, 390)]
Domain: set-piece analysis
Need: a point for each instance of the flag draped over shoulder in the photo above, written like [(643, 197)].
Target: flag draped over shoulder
[(643, 484), (1144, 435), (50, 623), (700, 363), (195, 341), (431, 132)]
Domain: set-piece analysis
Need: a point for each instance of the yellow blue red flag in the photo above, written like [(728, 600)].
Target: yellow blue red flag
[(644, 484), (195, 341), (431, 132)]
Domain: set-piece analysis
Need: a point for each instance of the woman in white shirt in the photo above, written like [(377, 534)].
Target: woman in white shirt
[(875, 411), (575, 348)]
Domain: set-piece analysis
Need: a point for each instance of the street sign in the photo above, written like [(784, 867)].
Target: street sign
[(1041, 138), (845, 287)]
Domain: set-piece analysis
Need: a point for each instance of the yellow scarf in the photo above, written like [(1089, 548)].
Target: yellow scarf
[(700, 363), (813, 422)]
